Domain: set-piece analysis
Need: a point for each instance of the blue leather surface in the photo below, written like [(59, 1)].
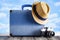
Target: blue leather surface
[(22, 23)]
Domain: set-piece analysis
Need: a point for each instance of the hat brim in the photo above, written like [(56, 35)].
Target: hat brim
[(38, 20)]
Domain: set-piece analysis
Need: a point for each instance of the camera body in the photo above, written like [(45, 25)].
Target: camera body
[(45, 32)]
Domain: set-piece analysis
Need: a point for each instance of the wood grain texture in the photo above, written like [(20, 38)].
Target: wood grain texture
[(40, 38), (29, 38)]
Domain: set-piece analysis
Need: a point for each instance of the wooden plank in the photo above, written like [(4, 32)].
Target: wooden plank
[(51, 38), (40, 38), (55, 38), (14, 38), (3, 37), (27, 38)]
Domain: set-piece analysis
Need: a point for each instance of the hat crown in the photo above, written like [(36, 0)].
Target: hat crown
[(42, 9), (45, 7)]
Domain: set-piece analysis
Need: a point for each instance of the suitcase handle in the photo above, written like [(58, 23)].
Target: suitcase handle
[(26, 5)]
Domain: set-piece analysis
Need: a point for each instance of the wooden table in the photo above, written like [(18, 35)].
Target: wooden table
[(30, 38)]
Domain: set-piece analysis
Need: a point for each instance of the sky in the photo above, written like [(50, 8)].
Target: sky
[(6, 5)]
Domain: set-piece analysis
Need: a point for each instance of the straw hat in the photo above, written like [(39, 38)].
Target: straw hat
[(40, 12)]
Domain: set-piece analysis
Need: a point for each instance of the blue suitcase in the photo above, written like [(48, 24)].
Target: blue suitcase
[(23, 24)]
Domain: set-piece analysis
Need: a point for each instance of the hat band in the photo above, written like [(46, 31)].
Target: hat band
[(34, 9)]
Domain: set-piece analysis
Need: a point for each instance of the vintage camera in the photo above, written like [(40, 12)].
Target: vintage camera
[(45, 32)]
